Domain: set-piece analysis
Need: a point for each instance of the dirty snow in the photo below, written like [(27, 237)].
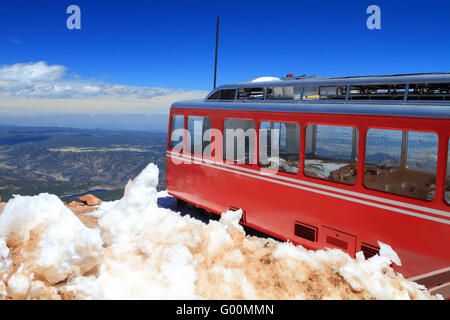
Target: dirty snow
[(141, 251)]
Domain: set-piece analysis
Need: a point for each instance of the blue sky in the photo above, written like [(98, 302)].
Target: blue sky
[(170, 44)]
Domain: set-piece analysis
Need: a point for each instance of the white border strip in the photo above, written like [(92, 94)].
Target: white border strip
[(429, 274), (316, 191)]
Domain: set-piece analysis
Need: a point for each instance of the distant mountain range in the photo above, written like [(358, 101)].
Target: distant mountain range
[(68, 162), (130, 122)]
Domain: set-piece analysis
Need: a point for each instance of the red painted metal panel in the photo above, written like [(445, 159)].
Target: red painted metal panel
[(273, 204)]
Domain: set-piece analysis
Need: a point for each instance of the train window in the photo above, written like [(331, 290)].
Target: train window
[(279, 146), (251, 93), (331, 153), (214, 96), (199, 134), (333, 93), (325, 93), (239, 140), (177, 132), (401, 162), (225, 94), (283, 93), (311, 93), (429, 91), (378, 92), (447, 181)]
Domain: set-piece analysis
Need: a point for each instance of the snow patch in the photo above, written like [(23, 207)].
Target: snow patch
[(49, 239), (142, 251), (386, 251)]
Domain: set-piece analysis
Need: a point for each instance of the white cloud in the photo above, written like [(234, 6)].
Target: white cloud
[(39, 85), (31, 72)]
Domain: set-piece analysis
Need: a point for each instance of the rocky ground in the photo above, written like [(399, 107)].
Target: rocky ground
[(87, 204)]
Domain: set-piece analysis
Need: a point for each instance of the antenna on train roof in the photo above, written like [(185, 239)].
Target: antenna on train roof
[(217, 45)]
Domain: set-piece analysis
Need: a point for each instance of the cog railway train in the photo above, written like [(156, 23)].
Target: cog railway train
[(326, 162)]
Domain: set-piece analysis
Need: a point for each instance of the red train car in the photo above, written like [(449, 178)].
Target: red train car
[(326, 162)]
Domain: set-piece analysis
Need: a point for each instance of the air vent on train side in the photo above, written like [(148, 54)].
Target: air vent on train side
[(369, 251), (333, 238), (305, 231), (337, 242)]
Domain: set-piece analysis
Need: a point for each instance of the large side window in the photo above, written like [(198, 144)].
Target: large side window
[(177, 132), (199, 134), (377, 92), (429, 91), (447, 180), (279, 146), (239, 140), (331, 153), (401, 162)]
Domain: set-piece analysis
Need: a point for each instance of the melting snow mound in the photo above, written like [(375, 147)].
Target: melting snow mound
[(141, 251)]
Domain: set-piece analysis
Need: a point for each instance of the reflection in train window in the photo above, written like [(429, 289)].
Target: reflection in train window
[(250, 94), (223, 95), (177, 132), (331, 153), (429, 91), (279, 146), (447, 181), (401, 162), (325, 93), (239, 139), (377, 92), (283, 93), (199, 134)]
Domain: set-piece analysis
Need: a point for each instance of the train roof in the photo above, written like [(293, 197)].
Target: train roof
[(440, 77), (400, 110), (410, 95)]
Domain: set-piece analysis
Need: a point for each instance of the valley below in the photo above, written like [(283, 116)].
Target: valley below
[(70, 162)]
